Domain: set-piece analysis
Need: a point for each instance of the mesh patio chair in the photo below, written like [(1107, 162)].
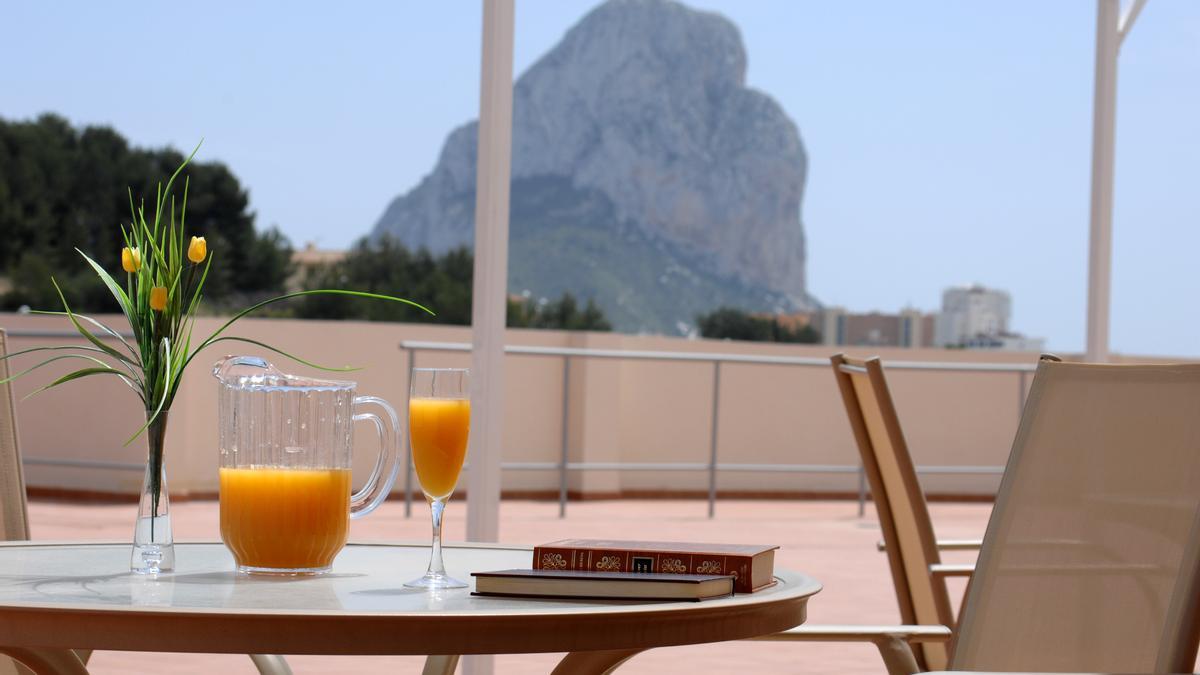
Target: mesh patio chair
[(14, 523), (14, 518), (1091, 560), (918, 574)]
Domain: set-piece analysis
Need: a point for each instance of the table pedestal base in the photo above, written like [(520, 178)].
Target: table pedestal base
[(593, 663), (575, 663), (71, 661), (65, 662), (47, 661)]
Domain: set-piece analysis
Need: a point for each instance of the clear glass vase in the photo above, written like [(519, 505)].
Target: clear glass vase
[(153, 539)]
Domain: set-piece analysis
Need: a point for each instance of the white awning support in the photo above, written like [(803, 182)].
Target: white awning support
[(490, 291), (1130, 18), (490, 286), (1111, 30)]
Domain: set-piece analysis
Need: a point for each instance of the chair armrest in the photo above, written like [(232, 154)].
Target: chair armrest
[(893, 642), (944, 570), (912, 634), (946, 545), (959, 544)]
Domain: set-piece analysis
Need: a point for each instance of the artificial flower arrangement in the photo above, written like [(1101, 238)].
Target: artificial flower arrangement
[(165, 271)]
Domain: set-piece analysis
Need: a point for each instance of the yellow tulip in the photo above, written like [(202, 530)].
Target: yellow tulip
[(131, 259), (197, 250), (158, 298)]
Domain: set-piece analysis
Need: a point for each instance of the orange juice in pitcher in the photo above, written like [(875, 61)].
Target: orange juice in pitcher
[(277, 518), (286, 445)]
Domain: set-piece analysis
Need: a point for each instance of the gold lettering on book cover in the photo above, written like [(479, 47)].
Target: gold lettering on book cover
[(553, 561), (710, 567), (673, 566), (609, 563)]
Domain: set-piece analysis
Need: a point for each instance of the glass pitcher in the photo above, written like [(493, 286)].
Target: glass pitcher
[(286, 444)]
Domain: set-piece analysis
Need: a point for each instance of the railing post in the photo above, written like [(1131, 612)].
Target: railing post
[(410, 362), (712, 467), (862, 491), (1020, 395), (566, 418), (712, 459)]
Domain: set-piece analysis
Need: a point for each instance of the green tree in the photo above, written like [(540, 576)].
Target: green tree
[(63, 188), (561, 314), (442, 283), (728, 323)]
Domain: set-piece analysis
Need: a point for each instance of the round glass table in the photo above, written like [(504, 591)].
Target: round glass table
[(59, 596)]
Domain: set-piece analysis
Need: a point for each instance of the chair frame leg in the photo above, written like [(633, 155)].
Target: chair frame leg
[(897, 655), (271, 664), (440, 664)]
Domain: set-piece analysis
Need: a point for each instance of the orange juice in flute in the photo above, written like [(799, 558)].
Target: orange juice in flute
[(438, 428), (439, 421)]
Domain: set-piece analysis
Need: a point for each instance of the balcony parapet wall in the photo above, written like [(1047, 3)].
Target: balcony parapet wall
[(618, 411)]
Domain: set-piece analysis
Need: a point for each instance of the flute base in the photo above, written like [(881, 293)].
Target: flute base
[(435, 582)]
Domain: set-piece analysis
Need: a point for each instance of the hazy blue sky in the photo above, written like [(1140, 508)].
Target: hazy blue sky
[(948, 141)]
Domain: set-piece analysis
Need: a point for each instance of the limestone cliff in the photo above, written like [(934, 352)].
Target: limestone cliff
[(642, 112)]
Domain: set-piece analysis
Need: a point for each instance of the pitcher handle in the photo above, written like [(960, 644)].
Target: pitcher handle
[(381, 481), (221, 368)]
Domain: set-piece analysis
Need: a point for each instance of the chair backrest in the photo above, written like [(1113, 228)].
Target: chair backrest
[(14, 523), (903, 516), (1091, 561)]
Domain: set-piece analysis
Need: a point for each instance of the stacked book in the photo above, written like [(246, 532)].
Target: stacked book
[(635, 570)]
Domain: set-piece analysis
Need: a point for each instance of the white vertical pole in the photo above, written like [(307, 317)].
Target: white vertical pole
[(489, 293), (1108, 40), (1130, 18), (490, 290)]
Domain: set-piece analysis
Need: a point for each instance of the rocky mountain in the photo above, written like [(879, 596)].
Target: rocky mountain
[(646, 174)]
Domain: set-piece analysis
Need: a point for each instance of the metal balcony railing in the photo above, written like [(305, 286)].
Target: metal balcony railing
[(713, 466)]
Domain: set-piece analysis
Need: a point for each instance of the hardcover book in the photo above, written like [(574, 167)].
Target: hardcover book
[(602, 585), (751, 566)]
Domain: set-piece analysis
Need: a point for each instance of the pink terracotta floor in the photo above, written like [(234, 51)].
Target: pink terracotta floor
[(825, 539)]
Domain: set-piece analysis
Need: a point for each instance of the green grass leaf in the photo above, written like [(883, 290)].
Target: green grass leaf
[(81, 373), (133, 372), (232, 338), (164, 381), (321, 291), (103, 328), (113, 287), (171, 180), (54, 359), (197, 293), (82, 331)]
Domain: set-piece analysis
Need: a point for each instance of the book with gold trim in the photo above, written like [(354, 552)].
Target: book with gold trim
[(602, 585), (751, 566)]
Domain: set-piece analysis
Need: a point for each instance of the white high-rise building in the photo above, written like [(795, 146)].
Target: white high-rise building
[(970, 312)]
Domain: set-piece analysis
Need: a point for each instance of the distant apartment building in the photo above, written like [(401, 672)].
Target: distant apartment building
[(968, 311), (909, 328), (976, 317), (308, 259)]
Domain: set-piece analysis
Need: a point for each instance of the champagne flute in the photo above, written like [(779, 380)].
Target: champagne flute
[(439, 420)]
